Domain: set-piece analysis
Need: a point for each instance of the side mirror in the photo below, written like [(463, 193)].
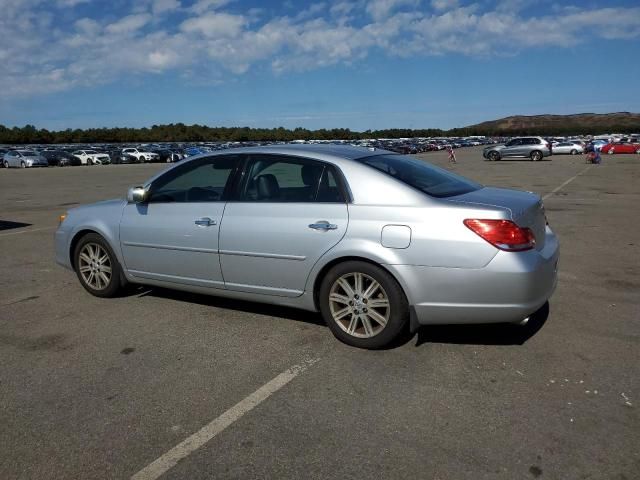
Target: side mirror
[(136, 195)]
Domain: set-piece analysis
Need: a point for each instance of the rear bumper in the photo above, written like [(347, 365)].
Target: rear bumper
[(510, 288)]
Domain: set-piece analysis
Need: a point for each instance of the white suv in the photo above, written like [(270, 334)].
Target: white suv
[(142, 156)]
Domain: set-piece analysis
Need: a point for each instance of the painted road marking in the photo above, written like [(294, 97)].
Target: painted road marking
[(557, 189), (208, 432), (26, 231)]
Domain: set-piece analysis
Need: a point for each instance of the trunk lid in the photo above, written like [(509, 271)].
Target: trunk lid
[(526, 208)]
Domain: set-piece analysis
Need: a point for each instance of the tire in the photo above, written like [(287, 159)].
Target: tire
[(536, 156), (360, 317), (6, 164), (23, 165), (610, 152), (638, 152), (141, 159), (494, 156), (101, 284), (574, 152)]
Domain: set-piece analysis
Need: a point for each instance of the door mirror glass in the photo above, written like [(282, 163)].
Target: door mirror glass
[(136, 195)]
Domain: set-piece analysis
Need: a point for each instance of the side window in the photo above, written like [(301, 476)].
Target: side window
[(202, 180), (275, 178)]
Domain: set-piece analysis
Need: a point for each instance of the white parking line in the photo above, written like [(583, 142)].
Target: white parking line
[(557, 189), (26, 231), (206, 433)]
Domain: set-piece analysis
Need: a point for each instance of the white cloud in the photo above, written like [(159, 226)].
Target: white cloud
[(379, 9), (70, 3), (42, 53), (201, 6), (162, 6), (215, 25), (129, 24), (441, 5)]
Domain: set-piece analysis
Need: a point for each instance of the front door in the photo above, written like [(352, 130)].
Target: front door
[(173, 236), (289, 212)]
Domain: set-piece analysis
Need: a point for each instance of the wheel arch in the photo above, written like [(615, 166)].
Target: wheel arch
[(319, 277)]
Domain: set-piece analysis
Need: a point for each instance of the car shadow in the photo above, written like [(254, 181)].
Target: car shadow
[(485, 334), (295, 314), (9, 225)]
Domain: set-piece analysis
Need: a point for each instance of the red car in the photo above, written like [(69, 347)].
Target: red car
[(612, 148)]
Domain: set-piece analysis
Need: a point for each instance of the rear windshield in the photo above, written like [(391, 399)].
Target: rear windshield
[(427, 178)]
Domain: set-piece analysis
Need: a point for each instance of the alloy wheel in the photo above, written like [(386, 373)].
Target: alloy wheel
[(94, 264), (359, 305)]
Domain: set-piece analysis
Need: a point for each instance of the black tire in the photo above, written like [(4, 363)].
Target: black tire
[(23, 165), (398, 310), (536, 156), (141, 159), (494, 156), (611, 151), (116, 280), (6, 164), (574, 152)]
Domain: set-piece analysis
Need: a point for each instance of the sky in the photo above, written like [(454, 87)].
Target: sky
[(333, 64)]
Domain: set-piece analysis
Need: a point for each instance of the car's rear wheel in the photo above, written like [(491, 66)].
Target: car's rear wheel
[(97, 267), (6, 164), (363, 305), (574, 152), (536, 156), (610, 152), (494, 156), (23, 165), (638, 152)]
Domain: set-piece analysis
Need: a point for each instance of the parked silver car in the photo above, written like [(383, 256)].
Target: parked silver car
[(533, 148), (373, 240), (568, 148), (24, 159)]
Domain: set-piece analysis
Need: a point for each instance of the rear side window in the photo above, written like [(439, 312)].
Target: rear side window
[(427, 178), (280, 178)]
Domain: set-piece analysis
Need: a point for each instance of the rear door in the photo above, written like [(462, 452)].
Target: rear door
[(288, 213), (173, 237)]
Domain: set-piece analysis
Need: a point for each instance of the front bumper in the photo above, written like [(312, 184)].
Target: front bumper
[(510, 288)]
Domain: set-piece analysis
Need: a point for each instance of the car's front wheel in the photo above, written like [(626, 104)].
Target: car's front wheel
[(494, 156), (97, 267), (363, 305), (6, 164), (610, 152), (574, 152)]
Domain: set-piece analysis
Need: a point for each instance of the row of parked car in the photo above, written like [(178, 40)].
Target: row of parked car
[(535, 148), (60, 156)]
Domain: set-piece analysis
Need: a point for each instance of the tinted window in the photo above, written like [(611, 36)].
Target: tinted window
[(514, 142), (427, 178), (202, 180), (275, 178)]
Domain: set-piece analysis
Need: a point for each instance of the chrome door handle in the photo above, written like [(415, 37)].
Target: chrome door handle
[(323, 225), (205, 222)]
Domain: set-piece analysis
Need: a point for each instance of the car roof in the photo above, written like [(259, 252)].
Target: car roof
[(334, 153)]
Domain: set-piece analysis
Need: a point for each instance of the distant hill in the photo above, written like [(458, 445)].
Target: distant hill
[(595, 123)]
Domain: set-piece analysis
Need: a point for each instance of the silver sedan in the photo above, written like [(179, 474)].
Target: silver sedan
[(568, 148), (24, 159), (377, 242)]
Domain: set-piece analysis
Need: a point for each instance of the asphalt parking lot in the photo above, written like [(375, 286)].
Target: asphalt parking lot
[(93, 388)]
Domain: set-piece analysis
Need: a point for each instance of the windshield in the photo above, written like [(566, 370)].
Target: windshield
[(427, 178)]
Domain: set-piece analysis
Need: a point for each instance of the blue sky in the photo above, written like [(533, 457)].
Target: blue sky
[(339, 63)]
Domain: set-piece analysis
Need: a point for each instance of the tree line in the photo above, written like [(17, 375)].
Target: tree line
[(180, 132)]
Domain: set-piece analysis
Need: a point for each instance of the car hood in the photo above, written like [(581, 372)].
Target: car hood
[(116, 203)]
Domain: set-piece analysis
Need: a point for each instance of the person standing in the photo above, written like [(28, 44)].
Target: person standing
[(452, 155)]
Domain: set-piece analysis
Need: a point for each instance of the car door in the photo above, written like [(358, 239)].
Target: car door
[(173, 236), (289, 211), (512, 148)]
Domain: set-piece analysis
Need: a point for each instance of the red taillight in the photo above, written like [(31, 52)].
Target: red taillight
[(503, 234)]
